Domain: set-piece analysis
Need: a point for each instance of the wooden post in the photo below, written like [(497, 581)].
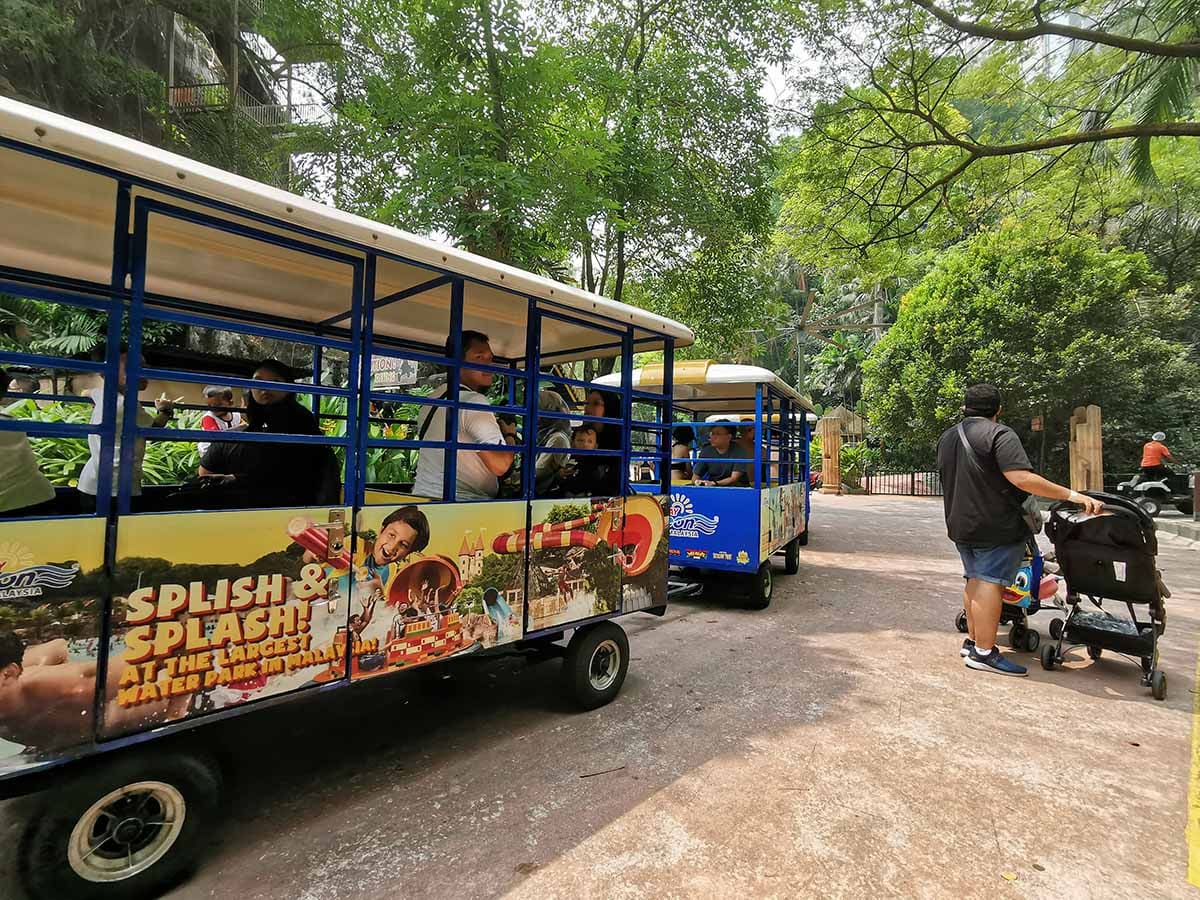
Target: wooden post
[(831, 451), (1086, 449)]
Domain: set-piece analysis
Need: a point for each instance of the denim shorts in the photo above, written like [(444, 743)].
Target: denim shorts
[(998, 565)]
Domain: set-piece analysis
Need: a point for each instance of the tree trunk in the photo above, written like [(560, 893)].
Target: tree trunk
[(502, 232)]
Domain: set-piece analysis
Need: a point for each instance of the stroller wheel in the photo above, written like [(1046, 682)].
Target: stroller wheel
[(1016, 637), (1056, 627), (1032, 640), (1049, 658), (1094, 652), (1158, 685), (961, 621)]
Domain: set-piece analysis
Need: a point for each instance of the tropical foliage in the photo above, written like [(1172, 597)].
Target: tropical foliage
[(966, 175)]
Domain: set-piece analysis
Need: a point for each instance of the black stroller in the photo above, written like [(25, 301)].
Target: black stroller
[(1108, 557)]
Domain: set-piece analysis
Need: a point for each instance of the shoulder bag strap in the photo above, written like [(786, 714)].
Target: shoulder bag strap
[(429, 418), (971, 454)]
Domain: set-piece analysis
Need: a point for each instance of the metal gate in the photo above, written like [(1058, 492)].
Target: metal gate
[(917, 483)]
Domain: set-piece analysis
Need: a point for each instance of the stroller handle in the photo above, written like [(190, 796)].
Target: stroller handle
[(1116, 504)]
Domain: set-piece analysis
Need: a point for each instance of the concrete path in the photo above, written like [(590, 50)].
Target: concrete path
[(831, 746)]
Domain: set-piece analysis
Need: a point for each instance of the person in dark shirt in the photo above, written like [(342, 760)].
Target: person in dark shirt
[(271, 474), (986, 477), (714, 466)]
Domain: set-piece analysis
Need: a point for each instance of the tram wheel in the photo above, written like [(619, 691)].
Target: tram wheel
[(127, 829), (595, 664), (761, 586), (791, 557)]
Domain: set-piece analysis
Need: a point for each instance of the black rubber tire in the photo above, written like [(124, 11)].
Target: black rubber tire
[(1095, 652), (1056, 627), (1151, 505), (791, 557), (1032, 640), (1187, 507), (578, 662), (761, 586), (960, 621), (1158, 685), (1016, 636), (43, 863), (1048, 657)]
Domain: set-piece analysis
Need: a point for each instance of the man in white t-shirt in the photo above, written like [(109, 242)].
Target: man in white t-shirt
[(89, 478), (478, 471)]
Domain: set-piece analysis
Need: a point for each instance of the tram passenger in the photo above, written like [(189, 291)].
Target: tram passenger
[(681, 453), (89, 478), (269, 473), (509, 429), (745, 448), (510, 481), (553, 431), (478, 471), (584, 476), (20, 383), (220, 416), (715, 467), (603, 473), (24, 490)]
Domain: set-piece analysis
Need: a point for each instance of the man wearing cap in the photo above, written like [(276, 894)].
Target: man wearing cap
[(1154, 454), (986, 476)]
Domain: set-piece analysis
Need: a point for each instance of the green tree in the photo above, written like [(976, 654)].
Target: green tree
[(1053, 321), (447, 121), (918, 101)]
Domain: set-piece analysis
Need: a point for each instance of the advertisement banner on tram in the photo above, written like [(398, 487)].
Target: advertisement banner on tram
[(51, 601), (781, 517), (714, 527), (431, 581)]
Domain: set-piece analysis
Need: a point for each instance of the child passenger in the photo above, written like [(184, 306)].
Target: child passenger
[(220, 415), (589, 476)]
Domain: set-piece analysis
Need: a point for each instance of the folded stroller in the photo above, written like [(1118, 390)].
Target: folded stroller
[(1109, 557)]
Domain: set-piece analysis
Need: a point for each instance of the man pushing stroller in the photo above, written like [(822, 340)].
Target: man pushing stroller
[(986, 478)]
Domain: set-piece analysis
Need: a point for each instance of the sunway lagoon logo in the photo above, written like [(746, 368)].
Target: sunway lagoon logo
[(20, 580), (686, 522)]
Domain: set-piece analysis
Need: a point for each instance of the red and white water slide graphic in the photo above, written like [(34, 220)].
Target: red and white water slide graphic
[(635, 534)]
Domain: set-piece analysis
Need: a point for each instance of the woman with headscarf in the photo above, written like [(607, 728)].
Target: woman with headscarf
[(554, 430), (270, 473)]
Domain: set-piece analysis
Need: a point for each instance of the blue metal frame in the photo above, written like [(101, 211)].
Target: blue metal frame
[(129, 265), (777, 445)]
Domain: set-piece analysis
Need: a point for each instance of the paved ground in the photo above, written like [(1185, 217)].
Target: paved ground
[(833, 745)]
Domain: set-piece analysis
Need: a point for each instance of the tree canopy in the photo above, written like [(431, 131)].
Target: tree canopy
[(940, 168), (1054, 322)]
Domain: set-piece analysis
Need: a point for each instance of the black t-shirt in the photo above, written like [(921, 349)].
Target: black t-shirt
[(983, 509), (275, 474)]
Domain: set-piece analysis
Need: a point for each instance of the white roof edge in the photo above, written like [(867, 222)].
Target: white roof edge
[(40, 128), (725, 373)]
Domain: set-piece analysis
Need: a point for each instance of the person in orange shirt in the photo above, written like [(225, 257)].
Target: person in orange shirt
[(1154, 453)]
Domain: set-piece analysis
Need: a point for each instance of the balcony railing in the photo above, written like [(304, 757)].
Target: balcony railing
[(193, 98)]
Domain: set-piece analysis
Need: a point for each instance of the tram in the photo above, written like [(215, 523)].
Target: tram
[(759, 505), (299, 454)]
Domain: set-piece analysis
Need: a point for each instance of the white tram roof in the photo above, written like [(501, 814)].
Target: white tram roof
[(58, 219), (707, 386)]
